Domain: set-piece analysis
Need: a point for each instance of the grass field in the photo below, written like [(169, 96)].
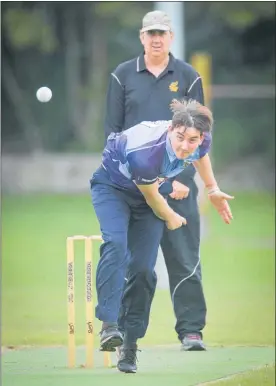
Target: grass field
[(237, 262), (259, 377), (158, 366)]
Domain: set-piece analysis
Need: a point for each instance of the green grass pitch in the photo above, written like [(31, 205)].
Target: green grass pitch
[(238, 277)]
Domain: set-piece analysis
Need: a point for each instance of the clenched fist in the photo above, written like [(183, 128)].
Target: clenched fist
[(180, 191), (176, 221)]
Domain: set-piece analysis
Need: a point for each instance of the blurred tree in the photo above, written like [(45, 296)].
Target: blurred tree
[(24, 29), (77, 35), (243, 14), (240, 37), (223, 30), (27, 28)]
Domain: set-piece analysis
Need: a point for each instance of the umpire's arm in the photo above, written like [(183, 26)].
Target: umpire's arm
[(195, 91), (115, 106)]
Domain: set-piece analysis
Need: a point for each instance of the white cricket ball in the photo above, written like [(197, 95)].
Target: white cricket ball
[(44, 94)]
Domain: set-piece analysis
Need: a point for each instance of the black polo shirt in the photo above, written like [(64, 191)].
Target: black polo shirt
[(135, 95)]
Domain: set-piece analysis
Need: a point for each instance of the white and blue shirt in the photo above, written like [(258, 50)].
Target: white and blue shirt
[(143, 154)]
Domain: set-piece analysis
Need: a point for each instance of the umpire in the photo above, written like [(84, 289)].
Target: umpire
[(142, 89)]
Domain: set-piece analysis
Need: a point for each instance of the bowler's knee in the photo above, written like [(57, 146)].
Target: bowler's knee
[(115, 242)]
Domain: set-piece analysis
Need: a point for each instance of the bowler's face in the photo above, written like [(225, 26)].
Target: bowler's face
[(184, 141), (156, 43)]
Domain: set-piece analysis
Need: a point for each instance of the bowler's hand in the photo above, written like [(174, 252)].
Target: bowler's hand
[(219, 201), (176, 221), (180, 191)]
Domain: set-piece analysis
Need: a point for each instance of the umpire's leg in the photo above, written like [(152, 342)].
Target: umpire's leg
[(181, 252)]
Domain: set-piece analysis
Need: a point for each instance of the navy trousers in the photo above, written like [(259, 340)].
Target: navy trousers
[(131, 237)]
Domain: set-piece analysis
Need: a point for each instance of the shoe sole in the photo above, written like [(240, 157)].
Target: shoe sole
[(110, 343), (127, 371), (193, 348)]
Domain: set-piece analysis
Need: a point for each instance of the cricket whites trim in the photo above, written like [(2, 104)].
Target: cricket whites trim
[(185, 278)]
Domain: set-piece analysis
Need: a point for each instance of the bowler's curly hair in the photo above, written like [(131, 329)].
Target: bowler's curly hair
[(191, 114)]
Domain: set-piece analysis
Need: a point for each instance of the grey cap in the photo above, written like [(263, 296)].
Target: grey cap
[(156, 20)]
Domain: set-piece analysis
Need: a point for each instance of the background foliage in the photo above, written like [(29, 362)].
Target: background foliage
[(73, 46)]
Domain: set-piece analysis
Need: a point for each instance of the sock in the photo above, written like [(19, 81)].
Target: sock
[(106, 325)]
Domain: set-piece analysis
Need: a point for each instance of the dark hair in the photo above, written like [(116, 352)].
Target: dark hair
[(191, 114)]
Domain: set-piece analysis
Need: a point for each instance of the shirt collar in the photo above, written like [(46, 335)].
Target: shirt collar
[(169, 149), (141, 65)]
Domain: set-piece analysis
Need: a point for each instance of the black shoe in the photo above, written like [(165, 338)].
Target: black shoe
[(128, 359), (193, 342), (110, 339)]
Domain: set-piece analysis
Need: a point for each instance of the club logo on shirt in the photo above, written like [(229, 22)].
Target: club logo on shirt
[(174, 86)]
